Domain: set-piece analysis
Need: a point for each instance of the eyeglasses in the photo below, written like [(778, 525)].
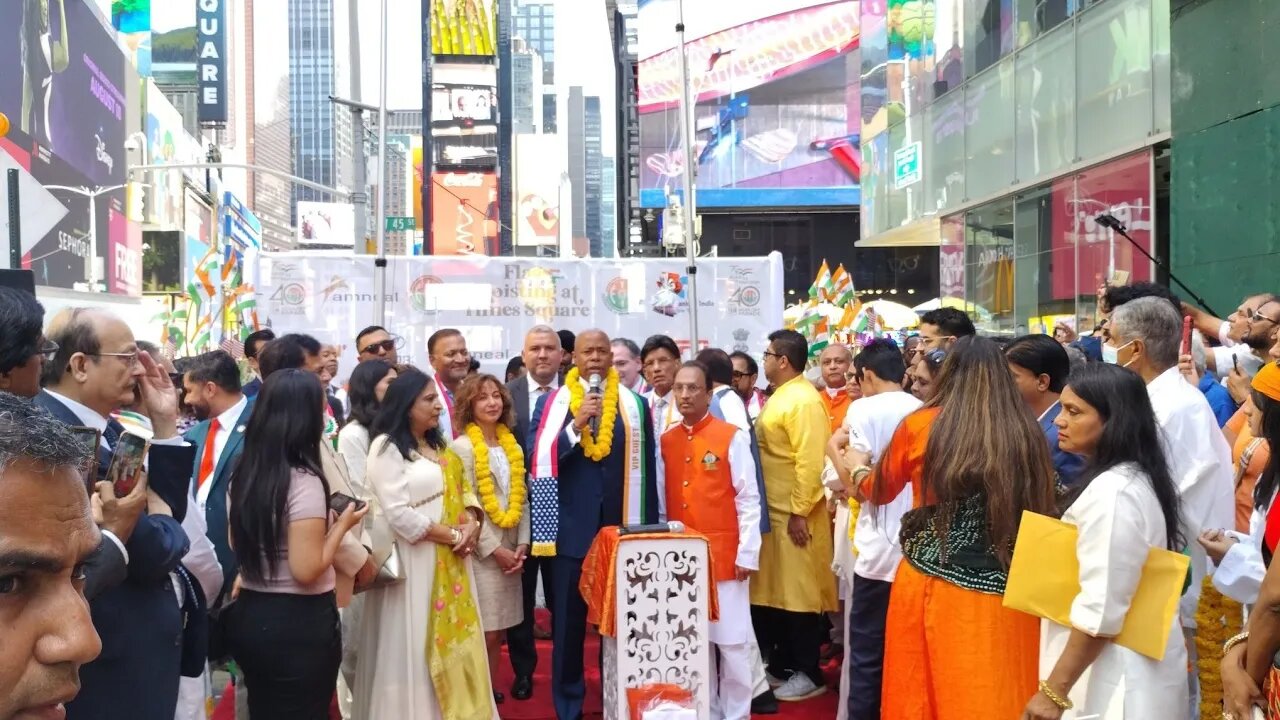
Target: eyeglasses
[(48, 350), (386, 346), (129, 359), (1257, 316), (770, 353), (737, 375)]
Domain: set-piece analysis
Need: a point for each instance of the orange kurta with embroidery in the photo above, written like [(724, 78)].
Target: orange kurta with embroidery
[(837, 407), (700, 487), (941, 632)]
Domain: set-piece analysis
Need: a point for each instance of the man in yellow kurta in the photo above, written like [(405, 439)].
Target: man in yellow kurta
[(795, 585)]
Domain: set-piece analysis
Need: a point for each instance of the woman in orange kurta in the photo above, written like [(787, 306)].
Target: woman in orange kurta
[(974, 460)]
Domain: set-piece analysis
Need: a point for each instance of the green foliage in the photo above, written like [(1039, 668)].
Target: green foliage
[(174, 46)]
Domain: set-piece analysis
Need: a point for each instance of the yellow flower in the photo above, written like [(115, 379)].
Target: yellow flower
[(510, 517), (595, 448)]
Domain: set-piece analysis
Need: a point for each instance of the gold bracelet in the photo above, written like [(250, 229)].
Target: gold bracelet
[(859, 473), (1055, 698), (1234, 641)]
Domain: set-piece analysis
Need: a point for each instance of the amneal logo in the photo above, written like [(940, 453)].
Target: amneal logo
[(469, 180)]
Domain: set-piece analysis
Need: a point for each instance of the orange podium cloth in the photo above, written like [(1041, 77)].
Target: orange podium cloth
[(599, 588), (639, 699)]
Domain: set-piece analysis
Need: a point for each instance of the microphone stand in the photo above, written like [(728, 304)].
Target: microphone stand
[(1110, 222)]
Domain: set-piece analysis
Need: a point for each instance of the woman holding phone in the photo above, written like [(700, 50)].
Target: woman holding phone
[(283, 629), (494, 466), (422, 652)]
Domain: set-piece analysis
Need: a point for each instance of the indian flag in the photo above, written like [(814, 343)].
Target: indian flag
[(850, 315), (842, 284), (821, 286), (821, 337)]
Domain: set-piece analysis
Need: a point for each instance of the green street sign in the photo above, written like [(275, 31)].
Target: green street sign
[(398, 224)]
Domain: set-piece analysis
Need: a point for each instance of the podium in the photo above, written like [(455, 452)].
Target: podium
[(652, 597)]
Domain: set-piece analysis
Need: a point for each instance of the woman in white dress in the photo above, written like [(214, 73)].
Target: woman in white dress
[(494, 466), (1124, 504), (367, 388), (422, 652)]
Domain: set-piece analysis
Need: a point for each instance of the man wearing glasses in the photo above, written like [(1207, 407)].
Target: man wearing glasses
[(375, 343), (25, 349), (95, 371), (940, 329), (252, 348)]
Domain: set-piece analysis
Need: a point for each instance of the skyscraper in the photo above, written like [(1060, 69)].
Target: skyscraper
[(318, 53), (526, 88), (535, 23), (269, 143), (585, 171)]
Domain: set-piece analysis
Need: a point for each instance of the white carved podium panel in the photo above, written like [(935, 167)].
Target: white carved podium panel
[(663, 606)]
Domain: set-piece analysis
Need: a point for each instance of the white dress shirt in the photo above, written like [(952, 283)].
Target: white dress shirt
[(732, 408), (1200, 463), (226, 423), (534, 393)]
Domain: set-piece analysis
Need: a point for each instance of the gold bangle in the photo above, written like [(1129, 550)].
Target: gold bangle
[(1234, 641), (859, 473), (1054, 697)]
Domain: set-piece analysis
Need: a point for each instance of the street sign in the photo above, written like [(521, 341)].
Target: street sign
[(906, 166), (399, 224), (39, 209)]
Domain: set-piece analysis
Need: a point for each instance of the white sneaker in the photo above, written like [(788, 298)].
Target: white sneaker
[(798, 688), (774, 682)]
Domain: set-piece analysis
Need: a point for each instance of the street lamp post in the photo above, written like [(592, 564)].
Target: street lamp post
[(690, 207), (380, 262), (90, 274)]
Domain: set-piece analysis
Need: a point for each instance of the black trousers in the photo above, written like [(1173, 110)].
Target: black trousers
[(524, 654), (789, 641), (868, 610), (289, 647)]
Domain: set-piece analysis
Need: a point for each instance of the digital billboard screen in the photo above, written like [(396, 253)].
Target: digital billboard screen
[(464, 213), (776, 112), (64, 89)]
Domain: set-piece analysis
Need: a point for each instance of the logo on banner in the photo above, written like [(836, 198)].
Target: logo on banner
[(336, 284), (746, 300), (740, 340), (616, 297), (290, 299), (418, 293), (671, 296)]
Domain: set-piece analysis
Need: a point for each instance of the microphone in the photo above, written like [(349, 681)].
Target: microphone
[(1107, 220), (1110, 222), (675, 526), (593, 387)]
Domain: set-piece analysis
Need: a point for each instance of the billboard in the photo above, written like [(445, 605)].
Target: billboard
[(324, 223), (776, 112), (538, 166), (462, 106), (132, 19), (167, 143), (65, 89), (211, 64), (464, 116), (464, 213), (463, 27)]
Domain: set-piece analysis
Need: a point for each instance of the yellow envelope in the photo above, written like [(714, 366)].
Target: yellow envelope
[(1044, 579)]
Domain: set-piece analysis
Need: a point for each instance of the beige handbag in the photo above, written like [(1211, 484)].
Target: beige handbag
[(385, 551)]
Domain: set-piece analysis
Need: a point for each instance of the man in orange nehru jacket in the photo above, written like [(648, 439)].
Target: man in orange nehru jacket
[(711, 488)]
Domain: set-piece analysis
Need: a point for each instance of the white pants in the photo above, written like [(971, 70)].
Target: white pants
[(759, 683), (731, 686)]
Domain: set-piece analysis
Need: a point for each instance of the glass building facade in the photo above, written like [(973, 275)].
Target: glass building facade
[(998, 129)]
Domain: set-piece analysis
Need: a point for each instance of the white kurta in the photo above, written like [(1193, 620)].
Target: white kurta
[(393, 679), (1119, 518), (734, 626)]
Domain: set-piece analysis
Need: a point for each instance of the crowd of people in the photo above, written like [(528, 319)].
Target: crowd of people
[(375, 542)]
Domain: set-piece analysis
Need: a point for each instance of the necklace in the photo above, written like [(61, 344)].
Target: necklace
[(510, 517), (596, 448)]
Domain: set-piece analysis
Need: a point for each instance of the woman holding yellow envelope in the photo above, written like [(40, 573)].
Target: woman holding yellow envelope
[(1124, 504)]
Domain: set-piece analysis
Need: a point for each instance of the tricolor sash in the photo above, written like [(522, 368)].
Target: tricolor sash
[(544, 470)]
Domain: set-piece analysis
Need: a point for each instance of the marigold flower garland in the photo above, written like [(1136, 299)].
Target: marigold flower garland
[(1217, 618), (596, 449), (509, 518)]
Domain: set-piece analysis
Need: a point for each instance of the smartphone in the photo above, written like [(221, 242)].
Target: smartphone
[(338, 502), (127, 462), (89, 440), (1186, 335), (1235, 362)]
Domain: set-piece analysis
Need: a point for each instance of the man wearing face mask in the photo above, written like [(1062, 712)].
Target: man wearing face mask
[(1144, 335)]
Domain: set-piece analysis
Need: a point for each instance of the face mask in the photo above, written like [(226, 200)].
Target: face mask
[(1111, 354)]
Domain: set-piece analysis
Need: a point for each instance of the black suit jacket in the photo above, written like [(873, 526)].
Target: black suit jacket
[(519, 389), (138, 618)]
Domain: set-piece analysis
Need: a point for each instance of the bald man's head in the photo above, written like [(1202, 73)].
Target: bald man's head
[(592, 353), (836, 362)]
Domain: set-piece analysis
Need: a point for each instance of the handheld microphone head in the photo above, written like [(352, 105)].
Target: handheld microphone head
[(594, 382)]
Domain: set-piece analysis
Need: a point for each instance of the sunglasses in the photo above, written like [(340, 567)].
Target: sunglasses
[(387, 345), (737, 375)]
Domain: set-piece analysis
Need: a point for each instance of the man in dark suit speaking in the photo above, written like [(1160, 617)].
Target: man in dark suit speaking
[(95, 371), (592, 465), (541, 357)]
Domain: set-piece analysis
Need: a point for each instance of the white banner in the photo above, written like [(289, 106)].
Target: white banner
[(494, 301)]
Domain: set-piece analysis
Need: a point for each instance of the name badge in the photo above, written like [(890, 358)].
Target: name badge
[(709, 462)]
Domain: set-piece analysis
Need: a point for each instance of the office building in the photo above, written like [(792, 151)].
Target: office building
[(585, 171), (627, 220), (323, 147), (526, 88), (535, 23), (269, 134)]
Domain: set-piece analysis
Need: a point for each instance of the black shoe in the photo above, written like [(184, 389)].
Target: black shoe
[(522, 688), (499, 698), (764, 704)]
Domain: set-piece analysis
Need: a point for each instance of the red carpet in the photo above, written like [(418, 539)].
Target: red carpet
[(539, 707)]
